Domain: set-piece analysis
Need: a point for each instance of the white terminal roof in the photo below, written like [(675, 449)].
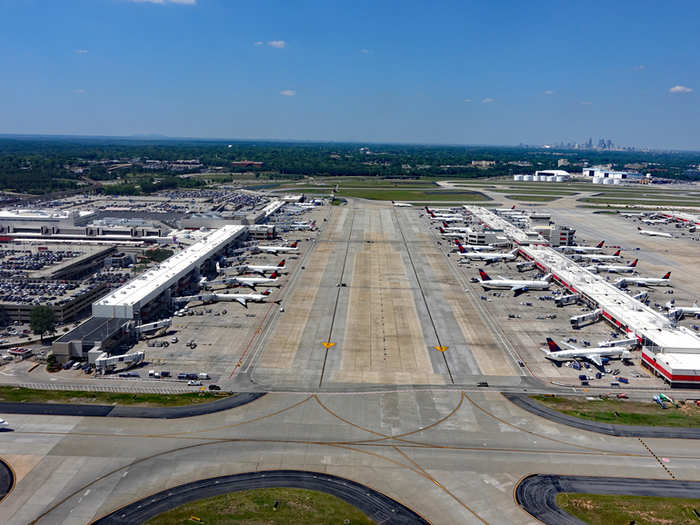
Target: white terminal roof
[(499, 223), (636, 316), (128, 299), (273, 207)]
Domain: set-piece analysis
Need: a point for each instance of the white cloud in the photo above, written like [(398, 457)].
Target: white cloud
[(680, 89), (258, 43), (549, 92), (365, 51), (487, 100), (586, 102), (288, 92), (279, 44), (163, 2), (79, 91), (639, 67), (81, 51), (467, 100)]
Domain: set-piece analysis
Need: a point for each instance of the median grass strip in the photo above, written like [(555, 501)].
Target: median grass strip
[(275, 506), (606, 509), (624, 412), (14, 394), (533, 198)]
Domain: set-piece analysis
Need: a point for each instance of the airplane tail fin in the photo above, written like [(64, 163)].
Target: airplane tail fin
[(617, 253), (461, 248), (667, 276), (634, 263), (266, 292), (512, 207), (553, 347), (442, 230), (444, 224), (547, 277), (484, 275), (638, 228), (293, 245), (600, 244), (274, 275), (282, 263)]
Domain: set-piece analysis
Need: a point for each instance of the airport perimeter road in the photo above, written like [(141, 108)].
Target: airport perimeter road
[(450, 456)]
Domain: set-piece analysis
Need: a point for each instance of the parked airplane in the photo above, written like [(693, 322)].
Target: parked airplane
[(594, 355), (402, 204), (4, 423), (653, 233), (611, 268), (679, 312), (463, 229), (245, 298), (251, 282), (491, 257), (644, 281), (456, 235), (464, 248), (515, 285), (655, 221), (279, 249), (262, 269), (583, 249), (598, 256)]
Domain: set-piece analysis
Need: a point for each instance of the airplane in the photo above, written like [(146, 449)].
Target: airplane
[(582, 249), (402, 204), (464, 248), (644, 281), (654, 233), (594, 355), (251, 282), (598, 256), (611, 268), (445, 233), (261, 269), (245, 298), (491, 257), (443, 217), (447, 228), (4, 423), (681, 311), (632, 214), (515, 285), (655, 221), (279, 249)]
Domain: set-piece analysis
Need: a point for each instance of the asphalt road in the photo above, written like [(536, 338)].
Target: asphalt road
[(526, 403), (65, 409), (7, 479), (377, 506), (537, 494)]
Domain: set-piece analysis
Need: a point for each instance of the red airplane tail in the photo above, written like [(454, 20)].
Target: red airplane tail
[(293, 245), (634, 263), (553, 347), (667, 276), (617, 253), (484, 275), (274, 275), (461, 248), (600, 244), (266, 292), (281, 263), (442, 230)]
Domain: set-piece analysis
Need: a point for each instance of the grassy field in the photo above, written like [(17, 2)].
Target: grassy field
[(624, 412), (27, 395), (257, 507), (413, 195), (605, 509)]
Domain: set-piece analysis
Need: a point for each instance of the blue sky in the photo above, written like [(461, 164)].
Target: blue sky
[(455, 72)]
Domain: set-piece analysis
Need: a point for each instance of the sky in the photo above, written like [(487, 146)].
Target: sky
[(445, 72)]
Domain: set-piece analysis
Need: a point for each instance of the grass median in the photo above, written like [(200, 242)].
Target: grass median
[(12, 394), (273, 506), (624, 412), (607, 509)]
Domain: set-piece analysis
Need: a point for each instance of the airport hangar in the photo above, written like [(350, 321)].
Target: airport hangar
[(670, 351), (141, 298)]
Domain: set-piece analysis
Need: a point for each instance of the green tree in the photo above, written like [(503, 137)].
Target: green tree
[(42, 319)]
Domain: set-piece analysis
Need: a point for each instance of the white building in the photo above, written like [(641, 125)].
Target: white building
[(601, 175)]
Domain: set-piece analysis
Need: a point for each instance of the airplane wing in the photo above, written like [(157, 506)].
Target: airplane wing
[(502, 278), (595, 359), (517, 290), (242, 301), (569, 345)]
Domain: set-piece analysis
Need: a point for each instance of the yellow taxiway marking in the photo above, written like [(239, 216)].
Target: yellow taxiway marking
[(440, 348), (328, 345)]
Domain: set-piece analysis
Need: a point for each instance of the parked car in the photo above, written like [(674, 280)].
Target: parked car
[(214, 387), (194, 383)]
